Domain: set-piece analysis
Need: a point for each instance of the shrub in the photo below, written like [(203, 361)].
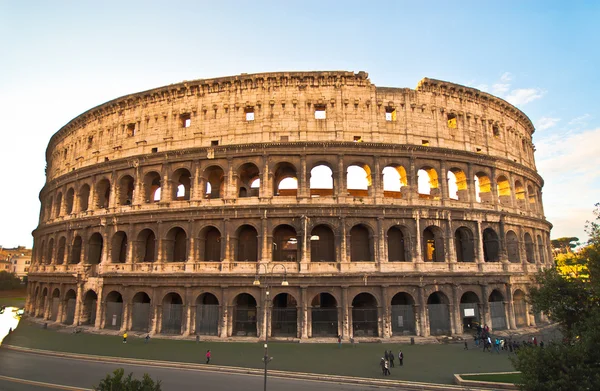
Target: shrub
[(118, 382)]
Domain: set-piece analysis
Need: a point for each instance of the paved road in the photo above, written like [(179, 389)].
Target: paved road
[(85, 374)]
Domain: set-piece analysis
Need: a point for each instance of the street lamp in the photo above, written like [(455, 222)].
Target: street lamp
[(256, 282)]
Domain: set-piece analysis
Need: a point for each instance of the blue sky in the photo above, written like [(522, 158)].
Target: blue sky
[(58, 59)]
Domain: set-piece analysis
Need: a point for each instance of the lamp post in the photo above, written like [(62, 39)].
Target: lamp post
[(256, 282)]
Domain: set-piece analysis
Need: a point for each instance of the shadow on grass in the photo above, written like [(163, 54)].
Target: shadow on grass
[(433, 363)]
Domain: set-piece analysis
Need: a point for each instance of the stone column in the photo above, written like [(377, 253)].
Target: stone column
[(455, 300), (340, 186), (265, 251), (450, 241), (346, 327), (480, 254), (343, 245), (423, 313), (100, 308), (511, 307), (419, 254), (486, 315), (225, 321), (304, 296), (138, 191), (412, 179), (444, 185), (303, 181), (126, 316), (386, 316), (472, 191), (381, 253), (376, 188)]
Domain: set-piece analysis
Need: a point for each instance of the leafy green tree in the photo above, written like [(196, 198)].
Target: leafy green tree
[(564, 245), (119, 382), (9, 281), (573, 302)]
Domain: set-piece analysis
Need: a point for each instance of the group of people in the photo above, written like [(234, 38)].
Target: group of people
[(483, 338), (387, 361)]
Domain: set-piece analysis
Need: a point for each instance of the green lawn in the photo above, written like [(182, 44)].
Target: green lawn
[(511, 378), (433, 363), (12, 301)]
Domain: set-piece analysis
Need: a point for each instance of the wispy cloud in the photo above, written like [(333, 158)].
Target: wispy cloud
[(506, 77), (522, 96), (500, 88), (482, 87), (546, 123), (581, 120)]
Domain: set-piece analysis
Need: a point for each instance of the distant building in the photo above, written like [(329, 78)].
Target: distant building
[(15, 260)]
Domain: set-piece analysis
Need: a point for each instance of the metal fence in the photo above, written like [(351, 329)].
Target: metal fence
[(54, 309), (439, 319), (364, 322), (172, 317), (520, 313), (207, 319), (284, 322), (140, 317), (114, 315), (70, 316), (469, 313), (324, 322), (244, 321), (498, 315), (403, 320), (89, 312)]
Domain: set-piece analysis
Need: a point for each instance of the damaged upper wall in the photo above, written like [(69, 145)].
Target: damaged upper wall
[(292, 107)]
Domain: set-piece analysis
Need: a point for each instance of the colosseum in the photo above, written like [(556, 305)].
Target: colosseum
[(293, 205)]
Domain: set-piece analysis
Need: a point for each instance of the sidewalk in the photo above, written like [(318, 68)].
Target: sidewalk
[(431, 363)]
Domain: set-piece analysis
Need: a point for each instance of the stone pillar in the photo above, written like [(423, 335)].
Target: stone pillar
[(138, 196), (455, 300), (303, 181), (376, 188), (265, 251), (494, 188), (230, 183), (444, 185), (381, 253), (340, 186), (450, 241), (487, 316), (386, 316), (266, 187), (419, 247), (157, 323), (472, 191), (480, 254), (343, 245), (511, 307), (126, 316), (112, 199), (412, 179), (304, 296), (346, 327), (100, 308), (423, 313), (225, 318), (187, 325)]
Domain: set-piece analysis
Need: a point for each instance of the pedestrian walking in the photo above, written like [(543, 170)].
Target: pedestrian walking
[(386, 355), (339, 341), (392, 358), (401, 358), (147, 339), (387, 367), (466, 346), (125, 337), (382, 365), (208, 356)]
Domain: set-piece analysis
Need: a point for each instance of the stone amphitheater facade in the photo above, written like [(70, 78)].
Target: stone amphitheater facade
[(296, 204)]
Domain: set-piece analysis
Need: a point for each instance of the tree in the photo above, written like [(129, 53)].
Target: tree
[(573, 302), (564, 245), (9, 281), (117, 382)]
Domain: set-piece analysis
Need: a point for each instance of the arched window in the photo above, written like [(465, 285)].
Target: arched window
[(529, 248), (483, 188), (520, 194), (457, 185), (491, 245), (512, 247), (247, 241), (285, 244), (360, 244), (541, 250), (76, 250), (322, 244), (428, 184), (84, 197), (176, 245), (396, 245), (433, 244), (285, 180), (463, 241), (102, 194), (321, 181), (503, 187), (152, 187), (125, 195), (146, 246), (394, 179), (50, 253), (181, 184), (58, 205), (212, 244), (95, 245), (532, 200), (119, 247), (215, 182), (69, 200), (249, 181), (358, 180), (60, 254)]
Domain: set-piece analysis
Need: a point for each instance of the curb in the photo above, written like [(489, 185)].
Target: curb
[(407, 385), (485, 384)]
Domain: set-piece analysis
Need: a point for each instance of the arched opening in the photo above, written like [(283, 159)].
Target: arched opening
[(284, 316), (60, 254), (113, 311), (55, 304), (58, 205), (360, 244), (102, 194), (364, 316), (69, 307), (176, 245), (48, 208), (483, 188), (324, 316), (152, 187), (95, 245), (512, 247), (42, 308), (520, 194), (503, 188), (541, 250), (247, 244), (322, 244), (181, 185), (394, 179), (520, 307), (321, 181), (211, 240), (457, 185), (140, 312), (84, 198), (41, 253), (285, 244), (88, 313), (244, 315), (532, 200), (358, 180), (172, 314), (397, 246), (146, 246), (76, 251), (285, 180), (125, 191), (496, 303), (249, 181), (464, 245), (433, 244), (491, 245), (207, 314), (529, 248), (428, 184), (119, 247), (70, 197), (438, 314), (403, 314), (469, 311), (215, 181), (50, 252)]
